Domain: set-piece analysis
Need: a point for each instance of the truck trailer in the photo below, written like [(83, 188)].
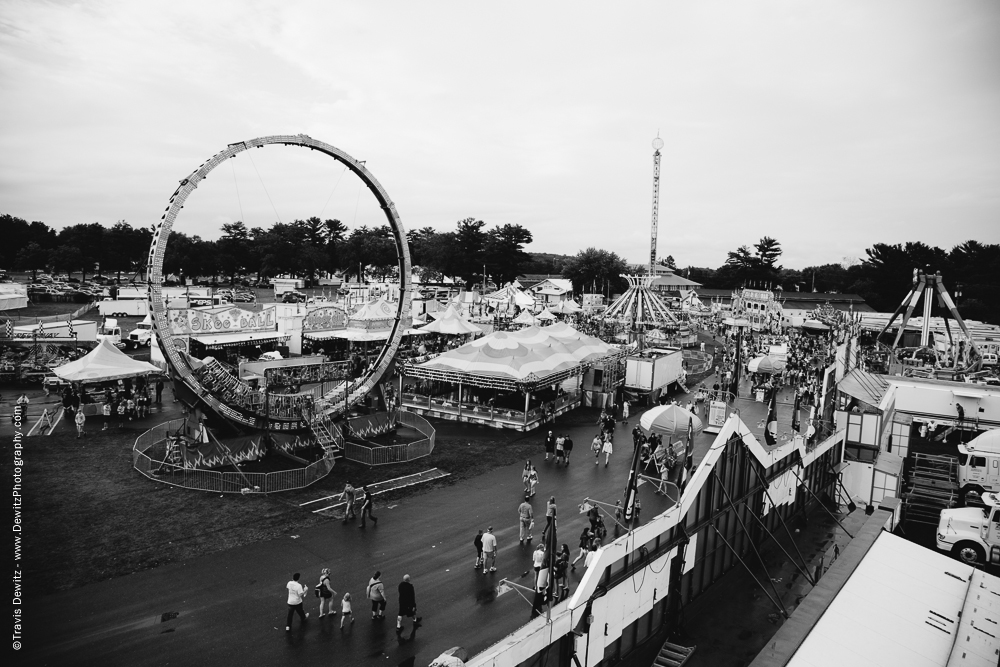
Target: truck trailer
[(651, 372)]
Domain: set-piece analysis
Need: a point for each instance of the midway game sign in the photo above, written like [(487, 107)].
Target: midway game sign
[(221, 320), (325, 318)]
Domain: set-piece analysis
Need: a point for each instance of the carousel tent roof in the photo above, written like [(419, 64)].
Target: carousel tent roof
[(104, 362), (640, 304), (450, 322), (518, 359)]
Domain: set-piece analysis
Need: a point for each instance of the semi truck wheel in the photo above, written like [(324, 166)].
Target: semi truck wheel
[(969, 553)]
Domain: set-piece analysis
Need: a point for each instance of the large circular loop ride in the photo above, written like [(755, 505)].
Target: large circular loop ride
[(341, 397)]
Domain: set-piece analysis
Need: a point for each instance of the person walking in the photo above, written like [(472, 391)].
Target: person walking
[(106, 413), (349, 495), (568, 447), (366, 508), (585, 538), (490, 550), (525, 476), (159, 390), (296, 594), (608, 448), (80, 420), (345, 610), (527, 521), (596, 446), (21, 408), (407, 604), (538, 558), (625, 411), (326, 593), (550, 445), (376, 593), (532, 481), (477, 542), (550, 516)]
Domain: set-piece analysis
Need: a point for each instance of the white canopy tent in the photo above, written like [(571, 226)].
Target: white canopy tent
[(450, 322), (104, 362)]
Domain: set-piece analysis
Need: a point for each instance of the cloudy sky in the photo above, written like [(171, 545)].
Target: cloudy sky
[(829, 125)]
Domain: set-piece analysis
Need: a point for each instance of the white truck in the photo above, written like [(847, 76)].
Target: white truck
[(123, 307), (972, 534), (979, 463), (111, 331), (142, 335), (652, 371)]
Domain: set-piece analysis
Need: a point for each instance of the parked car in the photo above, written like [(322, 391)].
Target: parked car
[(293, 297), (244, 297)]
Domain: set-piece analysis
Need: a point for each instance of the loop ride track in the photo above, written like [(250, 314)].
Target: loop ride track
[(342, 396)]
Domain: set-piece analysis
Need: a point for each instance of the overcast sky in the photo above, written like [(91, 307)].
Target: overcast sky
[(827, 125)]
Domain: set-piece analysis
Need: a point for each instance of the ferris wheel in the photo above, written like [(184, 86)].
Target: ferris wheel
[(220, 399)]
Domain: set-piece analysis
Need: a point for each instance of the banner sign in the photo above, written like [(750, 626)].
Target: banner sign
[(717, 414), (325, 318), (220, 320)]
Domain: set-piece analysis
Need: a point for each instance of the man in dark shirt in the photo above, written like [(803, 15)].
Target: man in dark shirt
[(407, 604)]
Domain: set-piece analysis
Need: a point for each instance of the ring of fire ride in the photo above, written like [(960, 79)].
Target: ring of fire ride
[(345, 394)]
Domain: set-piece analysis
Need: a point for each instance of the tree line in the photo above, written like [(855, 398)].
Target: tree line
[(303, 248), (307, 248)]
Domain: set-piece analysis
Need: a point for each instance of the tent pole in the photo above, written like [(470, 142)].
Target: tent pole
[(527, 399)]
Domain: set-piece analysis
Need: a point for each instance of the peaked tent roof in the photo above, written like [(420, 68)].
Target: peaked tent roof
[(508, 293), (567, 306), (104, 362), (450, 322)]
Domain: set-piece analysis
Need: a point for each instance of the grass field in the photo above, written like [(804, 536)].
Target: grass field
[(89, 516)]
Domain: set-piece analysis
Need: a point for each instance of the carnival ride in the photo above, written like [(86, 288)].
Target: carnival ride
[(217, 387), (957, 357)]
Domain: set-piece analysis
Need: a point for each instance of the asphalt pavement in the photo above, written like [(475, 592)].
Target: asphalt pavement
[(229, 608)]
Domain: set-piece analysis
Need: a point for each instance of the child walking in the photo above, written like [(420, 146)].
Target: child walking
[(345, 609)]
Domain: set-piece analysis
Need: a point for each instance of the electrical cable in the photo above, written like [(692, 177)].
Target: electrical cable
[(323, 210), (265, 187), (236, 183)]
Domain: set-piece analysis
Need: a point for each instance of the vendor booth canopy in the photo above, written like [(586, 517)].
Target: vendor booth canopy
[(669, 420), (766, 364), (450, 322), (814, 325), (104, 362), (517, 359), (524, 318), (545, 315), (511, 295), (567, 307)]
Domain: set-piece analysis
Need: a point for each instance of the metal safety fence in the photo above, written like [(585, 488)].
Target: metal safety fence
[(217, 481), (410, 451)]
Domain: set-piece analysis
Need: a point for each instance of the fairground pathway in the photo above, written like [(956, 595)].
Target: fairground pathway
[(229, 608)]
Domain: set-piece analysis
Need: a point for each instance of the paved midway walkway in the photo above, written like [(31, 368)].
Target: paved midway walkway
[(228, 608)]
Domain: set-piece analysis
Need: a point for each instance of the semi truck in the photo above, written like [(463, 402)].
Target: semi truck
[(111, 331), (972, 534), (142, 335), (652, 371), (979, 463)]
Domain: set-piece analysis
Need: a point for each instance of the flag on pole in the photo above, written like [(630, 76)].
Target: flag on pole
[(796, 425), (771, 425), (9, 329), (689, 449), (41, 329), (69, 323)]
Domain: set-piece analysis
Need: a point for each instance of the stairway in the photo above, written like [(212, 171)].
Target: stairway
[(328, 437), (672, 655)]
